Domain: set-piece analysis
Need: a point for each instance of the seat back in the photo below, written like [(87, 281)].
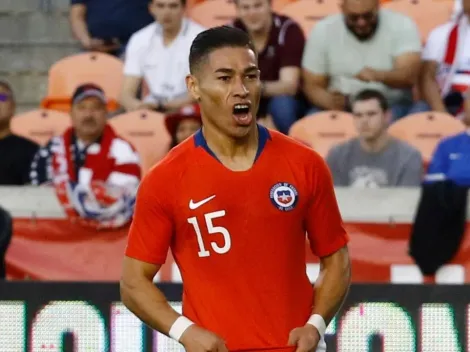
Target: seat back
[(66, 74), (425, 130), (147, 132), (40, 125), (212, 13), (323, 130)]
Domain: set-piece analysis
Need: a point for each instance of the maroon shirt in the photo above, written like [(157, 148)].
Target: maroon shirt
[(284, 48)]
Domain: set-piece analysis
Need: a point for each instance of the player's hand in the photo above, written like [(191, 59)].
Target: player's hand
[(305, 338), (197, 339)]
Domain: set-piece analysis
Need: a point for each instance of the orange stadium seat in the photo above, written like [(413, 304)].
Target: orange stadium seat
[(147, 132), (323, 130), (308, 12), (212, 13), (425, 130), (278, 5), (66, 74), (40, 125), (427, 14)]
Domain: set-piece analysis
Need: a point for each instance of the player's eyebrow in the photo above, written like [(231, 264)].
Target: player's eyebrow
[(231, 71)]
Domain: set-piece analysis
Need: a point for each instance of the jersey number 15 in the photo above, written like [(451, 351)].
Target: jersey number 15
[(211, 229)]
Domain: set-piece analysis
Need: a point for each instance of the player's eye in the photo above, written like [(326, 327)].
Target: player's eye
[(252, 76), (224, 78)]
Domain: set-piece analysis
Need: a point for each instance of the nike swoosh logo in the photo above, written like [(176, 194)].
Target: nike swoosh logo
[(193, 205)]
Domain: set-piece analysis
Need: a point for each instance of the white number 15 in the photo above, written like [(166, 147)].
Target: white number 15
[(203, 252)]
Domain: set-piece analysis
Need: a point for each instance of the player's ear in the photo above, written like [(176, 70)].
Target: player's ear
[(193, 87)]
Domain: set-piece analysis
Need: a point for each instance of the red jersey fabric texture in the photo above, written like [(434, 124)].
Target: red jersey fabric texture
[(239, 238)]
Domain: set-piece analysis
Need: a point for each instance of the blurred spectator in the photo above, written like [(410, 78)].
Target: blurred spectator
[(451, 160), (374, 159), (446, 65), (363, 48), (159, 55), (280, 43), (183, 123), (6, 231), (95, 172), (16, 152), (107, 25)]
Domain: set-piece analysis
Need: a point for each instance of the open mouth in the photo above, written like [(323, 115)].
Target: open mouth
[(242, 114)]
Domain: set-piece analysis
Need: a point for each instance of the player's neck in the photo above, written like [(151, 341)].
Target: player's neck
[(237, 154), (376, 145)]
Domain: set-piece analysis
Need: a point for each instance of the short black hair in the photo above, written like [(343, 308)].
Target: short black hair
[(183, 2), (5, 85), (369, 94), (217, 38)]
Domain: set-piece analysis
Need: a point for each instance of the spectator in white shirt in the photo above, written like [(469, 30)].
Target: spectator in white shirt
[(158, 54), (446, 64)]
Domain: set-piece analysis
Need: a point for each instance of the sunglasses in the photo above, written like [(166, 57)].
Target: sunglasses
[(366, 16), (4, 97)]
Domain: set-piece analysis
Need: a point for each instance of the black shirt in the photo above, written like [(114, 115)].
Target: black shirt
[(16, 154)]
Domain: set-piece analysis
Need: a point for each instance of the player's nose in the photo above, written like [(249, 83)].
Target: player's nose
[(239, 89)]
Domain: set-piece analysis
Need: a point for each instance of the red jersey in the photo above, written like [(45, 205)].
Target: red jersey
[(238, 238)]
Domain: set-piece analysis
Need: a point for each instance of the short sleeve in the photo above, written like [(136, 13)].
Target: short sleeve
[(152, 225), (434, 47), (407, 38), (314, 57), (439, 165), (293, 47), (132, 66), (325, 228)]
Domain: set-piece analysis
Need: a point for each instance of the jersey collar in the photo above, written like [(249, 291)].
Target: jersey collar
[(263, 137)]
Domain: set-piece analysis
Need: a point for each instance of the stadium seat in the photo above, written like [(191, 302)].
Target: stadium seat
[(425, 130), (66, 74), (308, 12), (323, 130), (147, 132), (40, 125), (427, 14), (212, 13), (278, 5)]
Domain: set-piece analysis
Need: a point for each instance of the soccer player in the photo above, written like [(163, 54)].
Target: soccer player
[(234, 202)]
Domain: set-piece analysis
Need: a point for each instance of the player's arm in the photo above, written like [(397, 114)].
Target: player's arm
[(328, 240), (143, 298), (149, 240)]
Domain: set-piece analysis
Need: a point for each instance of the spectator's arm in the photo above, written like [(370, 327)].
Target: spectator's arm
[(432, 55), (404, 73), (407, 56), (77, 18), (315, 75), (291, 59), (412, 174), (429, 87), (133, 73)]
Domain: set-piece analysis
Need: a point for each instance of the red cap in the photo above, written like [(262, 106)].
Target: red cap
[(186, 112)]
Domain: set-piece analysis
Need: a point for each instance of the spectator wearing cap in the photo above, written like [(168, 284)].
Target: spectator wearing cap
[(157, 55), (280, 42), (90, 157), (107, 25), (16, 153), (183, 123)]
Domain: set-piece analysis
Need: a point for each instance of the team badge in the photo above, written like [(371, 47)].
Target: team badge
[(284, 196)]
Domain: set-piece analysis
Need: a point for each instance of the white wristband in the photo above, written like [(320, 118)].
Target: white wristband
[(179, 327), (317, 321)]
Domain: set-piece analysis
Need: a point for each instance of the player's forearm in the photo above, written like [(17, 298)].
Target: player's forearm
[(332, 284), (149, 304)]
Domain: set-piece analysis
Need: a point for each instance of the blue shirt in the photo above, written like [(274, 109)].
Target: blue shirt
[(107, 19), (451, 160)]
